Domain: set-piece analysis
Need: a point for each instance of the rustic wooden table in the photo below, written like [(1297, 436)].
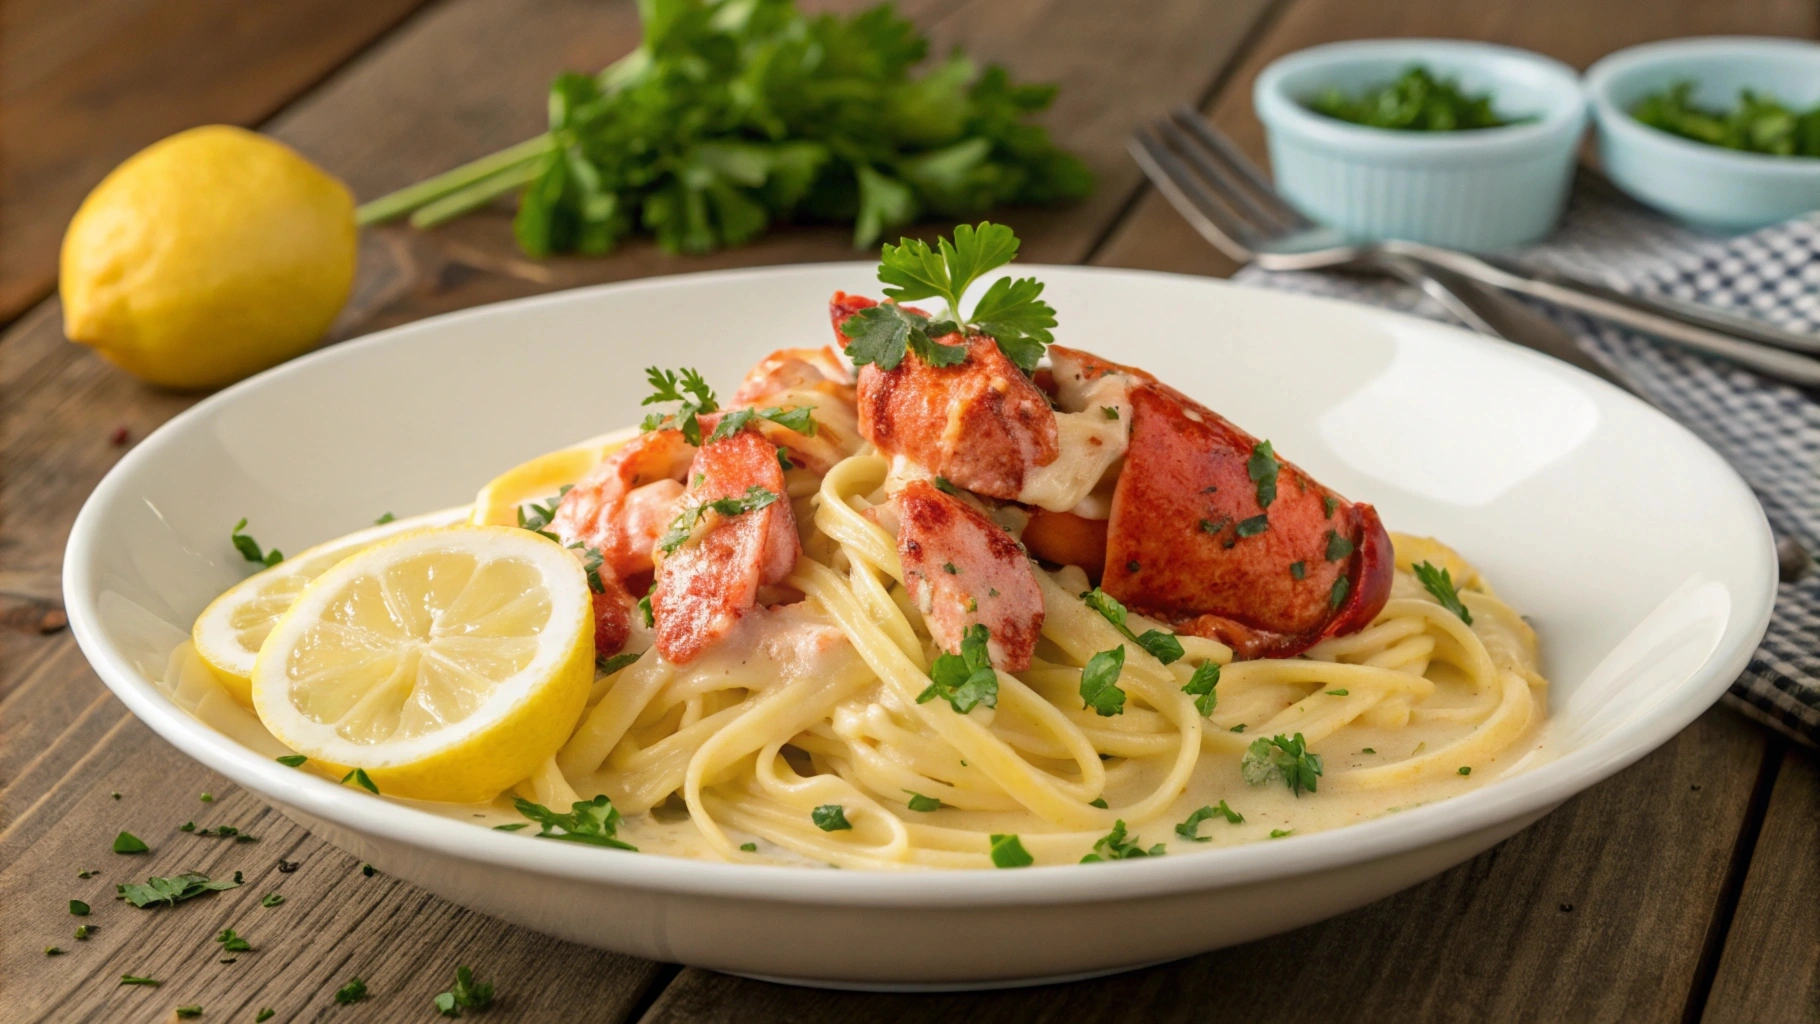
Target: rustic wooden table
[(1685, 888)]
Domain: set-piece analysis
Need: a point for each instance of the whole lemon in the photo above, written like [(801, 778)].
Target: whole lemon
[(208, 256)]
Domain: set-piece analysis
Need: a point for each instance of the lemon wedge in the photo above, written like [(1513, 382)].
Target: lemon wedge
[(540, 478), (229, 631), (448, 662)]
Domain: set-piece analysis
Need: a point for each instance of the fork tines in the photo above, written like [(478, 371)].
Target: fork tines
[(1222, 194)]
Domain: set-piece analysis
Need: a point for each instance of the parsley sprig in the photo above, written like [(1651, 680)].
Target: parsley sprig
[(1191, 828), (683, 526), (1201, 685), (686, 387), (594, 822), (1263, 467), (1007, 851), (1011, 312), (169, 891), (1114, 846), (249, 548), (1099, 682), (1281, 757), (965, 680), (1162, 646), (1439, 582), (467, 994)]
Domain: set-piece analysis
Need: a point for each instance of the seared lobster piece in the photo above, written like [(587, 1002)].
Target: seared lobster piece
[(813, 378), (981, 423), (625, 502), (710, 581), (961, 568)]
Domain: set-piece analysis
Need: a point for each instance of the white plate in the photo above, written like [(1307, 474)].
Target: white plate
[(1642, 559)]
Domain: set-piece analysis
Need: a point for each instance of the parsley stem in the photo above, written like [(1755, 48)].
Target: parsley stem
[(473, 197), (397, 204)]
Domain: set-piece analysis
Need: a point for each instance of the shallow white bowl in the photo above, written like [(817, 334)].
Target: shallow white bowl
[(1642, 559)]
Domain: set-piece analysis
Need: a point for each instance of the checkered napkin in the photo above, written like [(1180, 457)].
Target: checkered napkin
[(1768, 430)]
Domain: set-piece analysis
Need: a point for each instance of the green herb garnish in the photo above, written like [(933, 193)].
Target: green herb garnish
[(265, 1014), (353, 992), (271, 899), (965, 680), (1283, 758), (1011, 312), (188, 1012), (1191, 828), (594, 822), (1298, 570), (1262, 467), (1201, 685), (1007, 851), (134, 979), (799, 418), (749, 847), (1440, 583), (690, 389), (82, 932), (292, 760), (467, 994), (683, 526), (608, 666), (232, 943), (1252, 527), (126, 842), (1278, 833), (830, 818), (1099, 682), (360, 778), (1337, 596), (79, 908), (1162, 646), (1758, 124), (384, 518), (1465, 770), (1338, 547), (249, 548), (1415, 102), (1114, 846), (919, 802)]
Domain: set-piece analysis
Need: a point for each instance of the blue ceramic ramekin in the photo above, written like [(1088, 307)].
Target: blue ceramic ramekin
[(1477, 190), (1708, 186)]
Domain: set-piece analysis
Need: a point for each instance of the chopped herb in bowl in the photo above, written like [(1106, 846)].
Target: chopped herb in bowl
[(1416, 102), (1758, 124)]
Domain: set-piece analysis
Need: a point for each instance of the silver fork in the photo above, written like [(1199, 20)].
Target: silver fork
[(1224, 183), (1230, 203)]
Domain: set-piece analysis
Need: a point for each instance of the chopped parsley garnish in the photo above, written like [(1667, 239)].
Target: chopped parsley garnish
[(591, 561), (683, 526), (950, 569), (783, 460), (749, 847), (1337, 596), (965, 680), (467, 994), (1368, 750), (1760, 123), (1201, 687), (368, 870), (1162, 646), (265, 1014), (1338, 693), (1111, 413), (126, 842), (1008, 851), (594, 822), (353, 992), (1330, 503), (513, 827), (79, 908), (1262, 467), (134, 979), (1440, 583), (1464, 770), (1215, 526), (919, 802), (360, 777), (54, 951), (1191, 828), (1417, 101), (249, 548), (688, 388), (292, 760), (384, 518), (1237, 728), (221, 831), (644, 607), (1338, 547), (542, 515), (1099, 682), (830, 818), (1114, 846), (1252, 527), (188, 1012), (1281, 757), (208, 798), (1098, 801), (232, 943), (608, 666), (168, 891), (271, 899), (943, 485), (1011, 312), (1298, 570), (1278, 833), (82, 932), (798, 418)]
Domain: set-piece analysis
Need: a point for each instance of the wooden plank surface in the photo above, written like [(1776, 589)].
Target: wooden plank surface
[(85, 83), (461, 79), (1771, 967)]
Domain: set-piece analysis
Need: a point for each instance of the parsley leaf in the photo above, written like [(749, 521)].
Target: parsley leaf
[(384, 518), (232, 943), (188, 1012), (919, 802), (594, 822), (1007, 851), (1162, 646), (1440, 583), (965, 680), (1338, 547), (79, 908), (271, 899), (798, 418), (1284, 758), (1012, 314), (944, 485), (644, 607), (686, 387), (292, 760), (608, 666), (134, 979), (1252, 527), (541, 515), (1201, 687), (353, 992), (360, 777), (467, 994), (1099, 682), (881, 335), (126, 842), (169, 890), (830, 818), (1262, 467), (683, 526), (1113, 846), (249, 548), (1337, 596), (1191, 828)]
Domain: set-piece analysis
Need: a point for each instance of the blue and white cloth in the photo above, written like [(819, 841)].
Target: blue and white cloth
[(1769, 431)]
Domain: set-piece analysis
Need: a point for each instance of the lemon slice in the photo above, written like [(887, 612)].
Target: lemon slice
[(449, 663), (229, 631), (497, 503)]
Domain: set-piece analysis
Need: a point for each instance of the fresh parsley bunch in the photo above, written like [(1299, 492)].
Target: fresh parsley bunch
[(735, 114), (1011, 312)]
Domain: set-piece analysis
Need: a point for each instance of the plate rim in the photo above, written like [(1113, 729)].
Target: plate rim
[(1536, 790)]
